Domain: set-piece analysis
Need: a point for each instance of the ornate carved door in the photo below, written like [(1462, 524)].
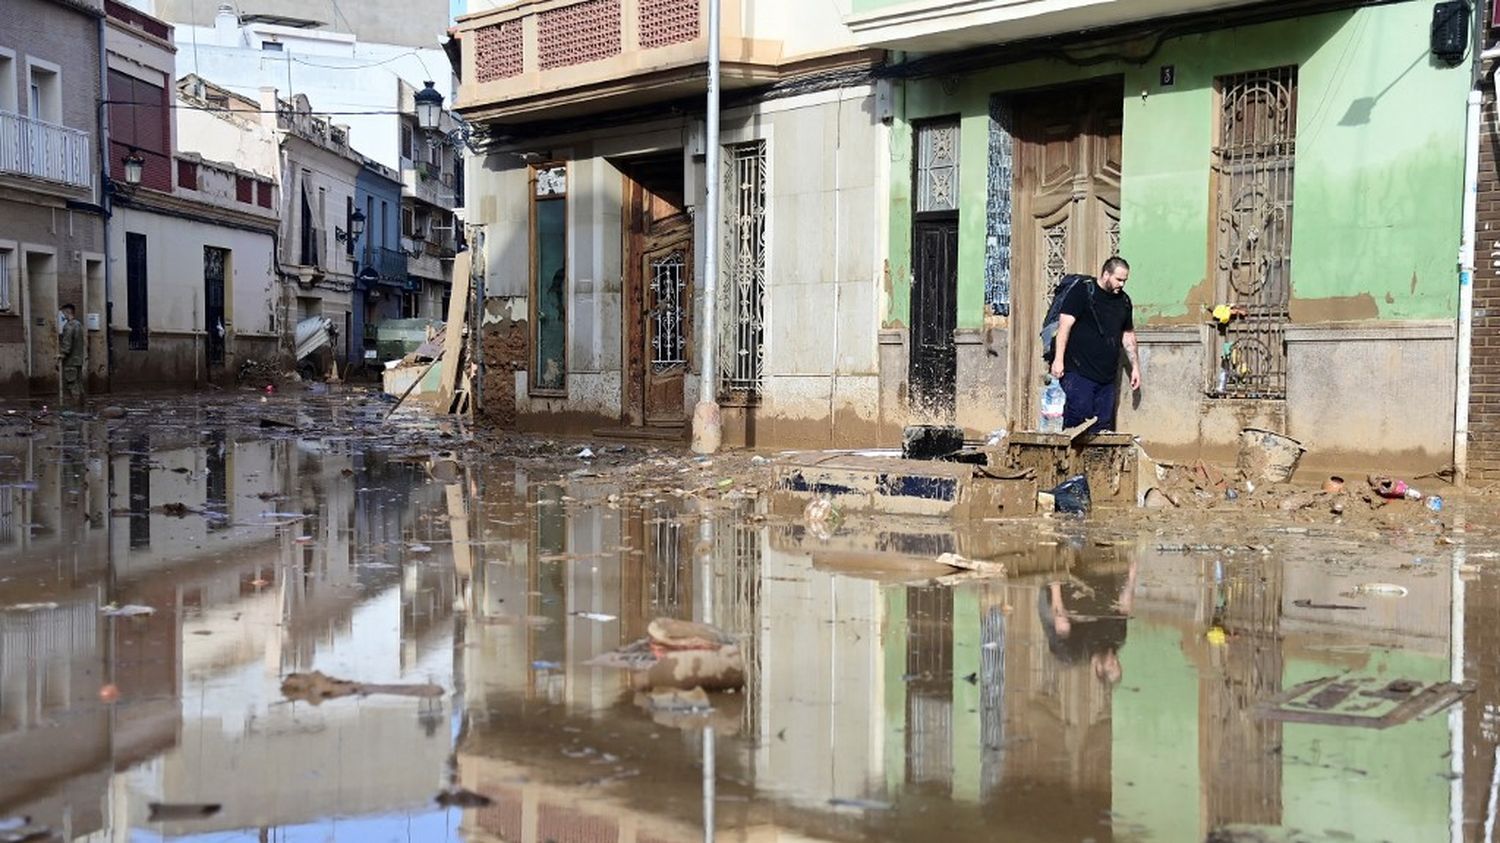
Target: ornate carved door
[(1067, 210)]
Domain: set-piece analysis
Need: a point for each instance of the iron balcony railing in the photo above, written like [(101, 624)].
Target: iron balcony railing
[(390, 263), (42, 150)]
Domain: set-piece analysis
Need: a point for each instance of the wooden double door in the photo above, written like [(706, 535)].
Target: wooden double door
[(1065, 212)]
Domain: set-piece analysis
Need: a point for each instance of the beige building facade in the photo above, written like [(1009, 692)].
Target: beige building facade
[(51, 192)]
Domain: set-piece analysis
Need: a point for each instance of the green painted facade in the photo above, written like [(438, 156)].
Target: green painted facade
[(1389, 784), (1379, 165)]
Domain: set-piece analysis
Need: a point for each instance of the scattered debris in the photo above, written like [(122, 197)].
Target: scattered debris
[(931, 442), (1365, 701), (861, 804), (1072, 495), (1382, 589), (176, 811), (458, 797), (674, 634), (977, 566), (315, 687), (177, 509), (821, 516), (112, 413), (129, 610), (28, 607), (1308, 604), (678, 700), (594, 616), (1268, 456), (1392, 488), (21, 830)]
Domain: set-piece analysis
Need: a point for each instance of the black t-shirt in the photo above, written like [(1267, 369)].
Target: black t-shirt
[(1094, 345), (1098, 625)]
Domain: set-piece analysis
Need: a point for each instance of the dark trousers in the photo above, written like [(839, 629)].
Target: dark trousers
[(1088, 398)]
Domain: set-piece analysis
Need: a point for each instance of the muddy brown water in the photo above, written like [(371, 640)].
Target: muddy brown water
[(877, 705)]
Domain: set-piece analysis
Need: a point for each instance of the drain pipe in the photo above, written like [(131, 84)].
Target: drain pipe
[(107, 202), (708, 430), (1466, 258)]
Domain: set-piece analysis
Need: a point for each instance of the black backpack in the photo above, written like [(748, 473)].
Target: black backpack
[(1054, 313)]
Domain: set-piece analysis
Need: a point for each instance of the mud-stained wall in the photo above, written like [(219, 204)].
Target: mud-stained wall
[(1351, 397), (505, 341), (1376, 219)]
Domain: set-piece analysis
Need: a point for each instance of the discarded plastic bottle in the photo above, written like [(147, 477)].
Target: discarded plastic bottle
[(1053, 402), (1435, 503)]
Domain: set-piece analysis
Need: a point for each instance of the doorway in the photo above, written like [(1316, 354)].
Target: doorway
[(41, 321), (658, 258), (214, 263), (1066, 210), (932, 365), (94, 318)]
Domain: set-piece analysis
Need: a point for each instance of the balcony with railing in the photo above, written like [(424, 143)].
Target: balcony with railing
[(544, 59), (41, 150), (390, 263), (426, 258)]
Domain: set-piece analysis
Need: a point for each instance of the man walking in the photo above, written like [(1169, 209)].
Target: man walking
[(70, 351), (1094, 324)]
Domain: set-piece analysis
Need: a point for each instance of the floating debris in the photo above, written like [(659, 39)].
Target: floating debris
[(315, 687)]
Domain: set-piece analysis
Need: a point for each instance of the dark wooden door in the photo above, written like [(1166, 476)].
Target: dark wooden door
[(933, 362), (1067, 210), (135, 288), (658, 292), (214, 260)]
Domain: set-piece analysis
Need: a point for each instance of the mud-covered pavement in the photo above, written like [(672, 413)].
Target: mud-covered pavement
[(162, 574)]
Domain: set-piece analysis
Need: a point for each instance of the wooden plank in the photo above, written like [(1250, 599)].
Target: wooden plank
[(453, 331)]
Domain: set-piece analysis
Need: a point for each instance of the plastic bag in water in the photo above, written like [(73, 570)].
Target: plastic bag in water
[(1072, 495)]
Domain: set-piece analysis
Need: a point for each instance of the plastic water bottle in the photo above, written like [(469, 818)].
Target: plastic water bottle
[(1053, 402)]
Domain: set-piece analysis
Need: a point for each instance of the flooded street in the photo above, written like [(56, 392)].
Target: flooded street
[(1115, 685)]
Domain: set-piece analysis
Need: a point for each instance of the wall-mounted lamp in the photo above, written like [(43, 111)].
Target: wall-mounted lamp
[(430, 114), (134, 165), (356, 228)]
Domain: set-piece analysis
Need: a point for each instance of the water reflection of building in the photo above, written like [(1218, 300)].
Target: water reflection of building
[(55, 740), (192, 532), (334, 588), (939, 701)]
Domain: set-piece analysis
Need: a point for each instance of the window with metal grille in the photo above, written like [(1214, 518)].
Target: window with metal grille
[(1254, 156), (742, 349)]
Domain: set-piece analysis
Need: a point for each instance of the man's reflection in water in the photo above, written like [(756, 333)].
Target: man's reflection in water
[(1084, 617)]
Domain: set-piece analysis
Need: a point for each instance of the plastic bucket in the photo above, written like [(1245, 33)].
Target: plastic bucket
[(1268, 456)]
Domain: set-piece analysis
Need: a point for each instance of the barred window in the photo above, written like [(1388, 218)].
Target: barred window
[(743, 303), (1254, 154)]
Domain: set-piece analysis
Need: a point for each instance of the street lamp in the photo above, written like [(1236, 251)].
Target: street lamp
[(356, 228), (134, 164), (429, 107)]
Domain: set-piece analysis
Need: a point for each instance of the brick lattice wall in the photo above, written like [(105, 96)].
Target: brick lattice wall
[(1484, 400)]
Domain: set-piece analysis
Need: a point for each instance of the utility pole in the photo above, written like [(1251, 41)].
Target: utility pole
[(708, 430)]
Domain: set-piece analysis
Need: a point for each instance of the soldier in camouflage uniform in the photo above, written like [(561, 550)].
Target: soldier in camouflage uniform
[(70, 352)]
